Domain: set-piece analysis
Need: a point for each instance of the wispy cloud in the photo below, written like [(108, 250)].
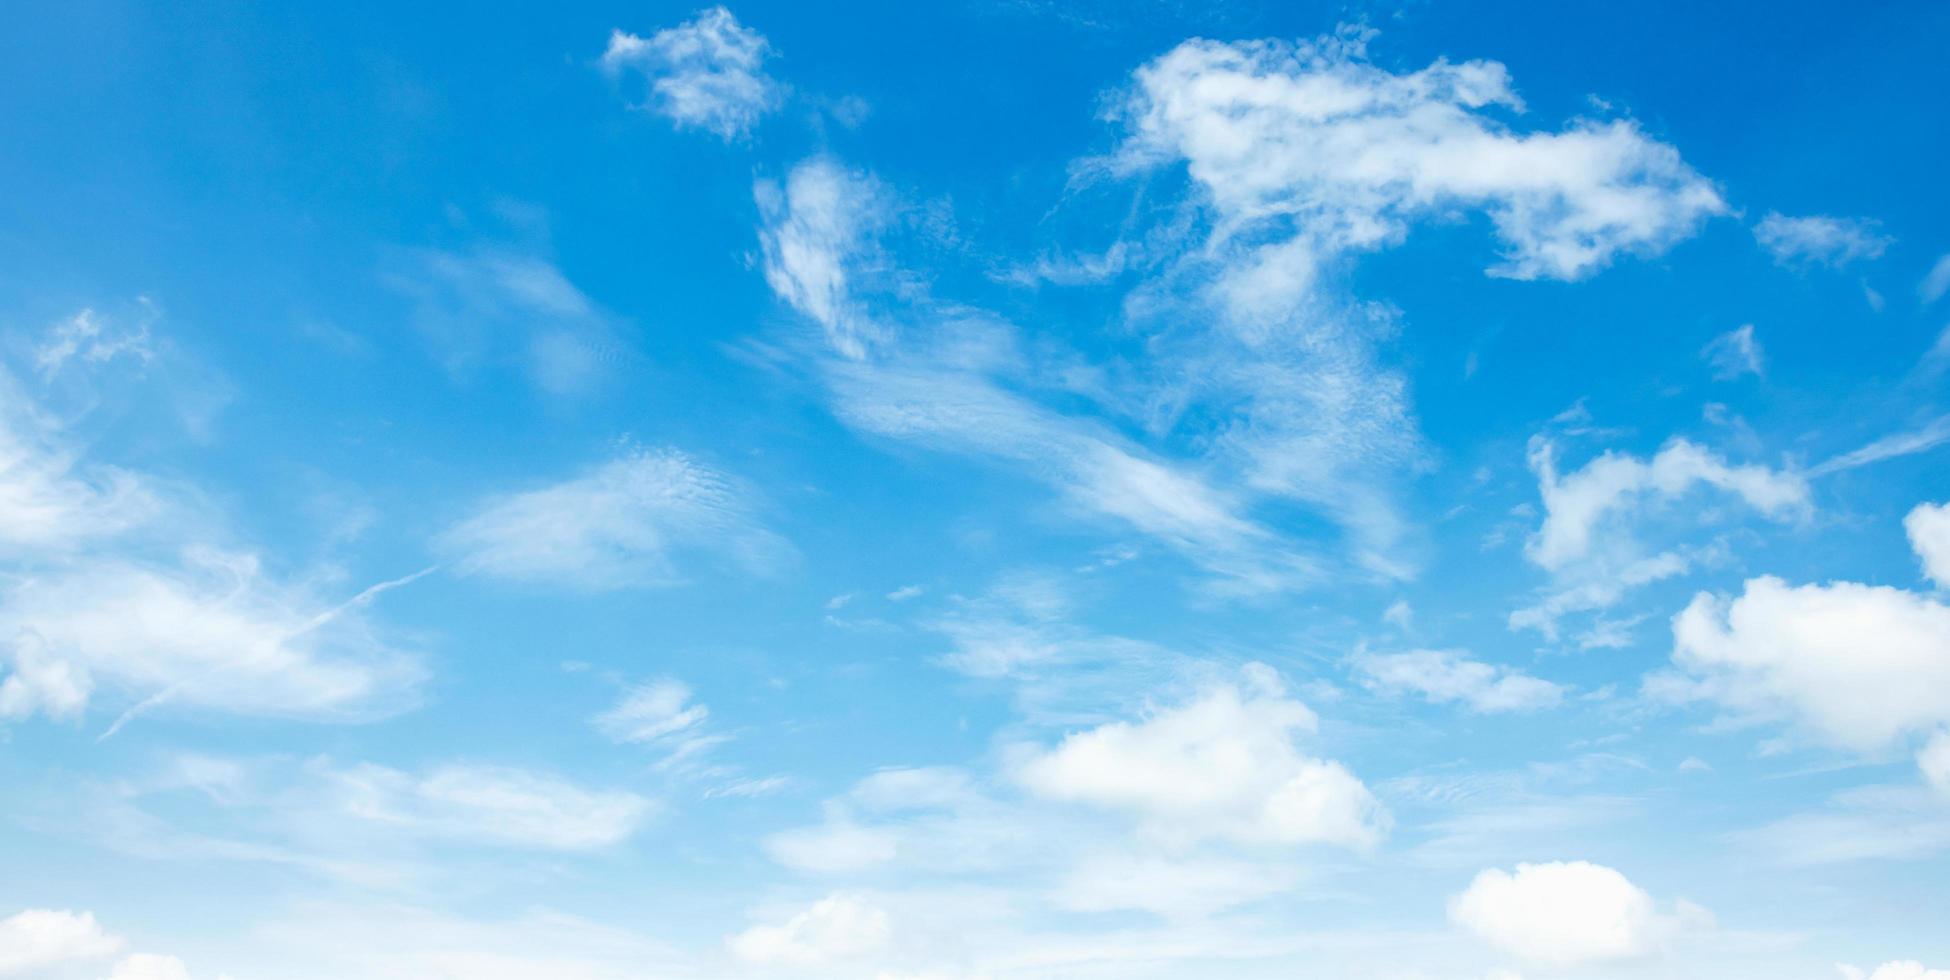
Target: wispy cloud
[(1820, 239)]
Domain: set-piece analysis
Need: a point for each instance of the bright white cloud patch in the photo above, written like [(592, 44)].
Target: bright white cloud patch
[(1611, 487), (1314, 135), (1561, 914), (1734, 353), (627, 523), (836, 927), (217, 633), (150, 966), (1934, 762), (1450, 676), (707, 73), (1221, 765), (51, 500), (38, 939), (1860, 666), (1819, 239), (1929, 534)]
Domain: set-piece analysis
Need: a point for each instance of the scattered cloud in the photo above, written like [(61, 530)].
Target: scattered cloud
[(1734, 353), (1898, 970), (1933, 434), (707, 73), (1450, 676), (38, 939), (837, 927), (93, 338), (1858, 666), (1936, 282), (1223, 764), (1928, 526), (1566, 914), (1819, 239), (632, 522)]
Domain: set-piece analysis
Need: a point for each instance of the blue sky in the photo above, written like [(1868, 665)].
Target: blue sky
[(989, 489)]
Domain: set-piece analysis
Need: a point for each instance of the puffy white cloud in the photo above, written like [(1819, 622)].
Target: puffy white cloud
[(150, 966), (1223, 765), (1313, 135), (1444, 676), (707, 73), (1928, 526), (1860, 666), (489, 804), (1819, 239), (1734, 353), (837, 927), (37, 939), (1934, 761), (1564, 914), (217, 633), (1898, 970), (1578, 504), (626, 523)]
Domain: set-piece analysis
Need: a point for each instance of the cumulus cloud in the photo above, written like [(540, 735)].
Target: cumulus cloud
[(1281, 134), (1564, 914), (1934, 761), (1928, 526), (707, 73), (1222, 765), (1580, 503), (629, 523), (837, 927), (1859, 666), (38, 939), (1449, 676), (1819, 239), (1734, 353)]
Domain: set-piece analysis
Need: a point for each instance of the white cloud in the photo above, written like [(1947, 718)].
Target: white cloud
[(626, 523), (94, 339), (1222, 765), (1169, 887), (1444, 676), (50, 500), (217, 633), (1734, 353), (1928, 526), (1578, 504), (1312, 134), (652, 712), (1898, 970), (37, 939), (1819, 239), (150, 966), (707, 73), (1860, 666), (1564, 914), (483, 804), (1934, 762), (815, 229), (1933, 434), (491, 306), (1937, 282), (837, 927)]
